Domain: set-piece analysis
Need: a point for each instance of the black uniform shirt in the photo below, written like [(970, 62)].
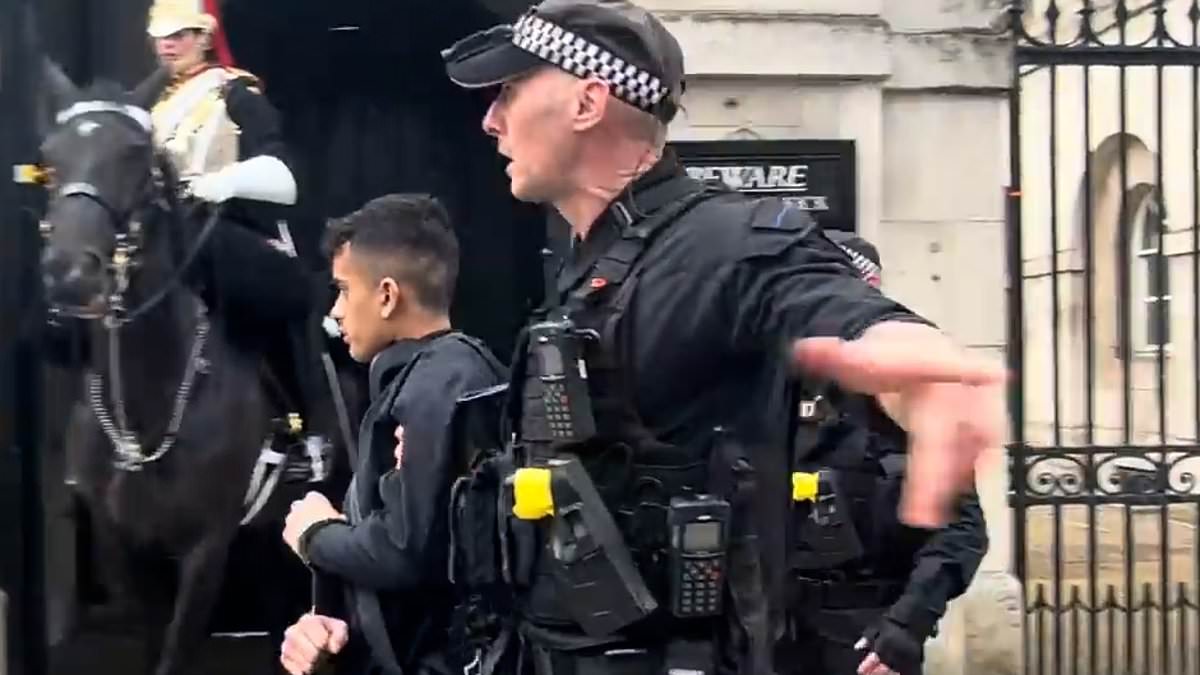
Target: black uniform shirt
[(721, 295)]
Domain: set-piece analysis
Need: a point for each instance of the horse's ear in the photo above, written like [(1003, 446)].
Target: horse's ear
[(148, 89), (57, 90), (58, 87)]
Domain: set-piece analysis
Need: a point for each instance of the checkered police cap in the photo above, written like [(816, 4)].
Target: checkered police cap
[(612, 40)]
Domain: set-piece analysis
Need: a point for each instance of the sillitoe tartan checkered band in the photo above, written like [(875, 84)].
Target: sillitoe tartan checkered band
[(583, 58), (865, 266)]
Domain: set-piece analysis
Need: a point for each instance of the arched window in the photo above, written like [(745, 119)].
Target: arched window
[(1150, 279)]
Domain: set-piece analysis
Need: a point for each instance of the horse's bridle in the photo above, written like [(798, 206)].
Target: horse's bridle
[(156, 192), (127, 226)]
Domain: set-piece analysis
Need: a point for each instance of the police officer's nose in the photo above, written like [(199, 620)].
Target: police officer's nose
[(491, 121)]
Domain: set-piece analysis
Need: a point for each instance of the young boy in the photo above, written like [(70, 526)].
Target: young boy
[(395, 263)]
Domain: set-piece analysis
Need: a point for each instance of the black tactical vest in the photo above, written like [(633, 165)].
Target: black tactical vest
[(854, 459), (635, 474)]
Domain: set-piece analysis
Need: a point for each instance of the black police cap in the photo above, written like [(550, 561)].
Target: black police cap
[(612, 40)]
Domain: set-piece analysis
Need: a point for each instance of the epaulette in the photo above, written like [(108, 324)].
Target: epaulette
[(255, 84)]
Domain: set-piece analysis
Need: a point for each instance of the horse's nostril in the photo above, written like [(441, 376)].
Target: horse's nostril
[(62, 267), (54, 264)]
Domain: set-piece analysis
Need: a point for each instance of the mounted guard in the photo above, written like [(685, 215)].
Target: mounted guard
[(162, 246), (223, 137)]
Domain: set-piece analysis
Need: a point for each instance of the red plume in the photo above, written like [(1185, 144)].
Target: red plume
[(220, 44)]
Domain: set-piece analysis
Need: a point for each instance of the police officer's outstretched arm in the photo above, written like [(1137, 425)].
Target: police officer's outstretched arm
[(943, 568), (794, 285)]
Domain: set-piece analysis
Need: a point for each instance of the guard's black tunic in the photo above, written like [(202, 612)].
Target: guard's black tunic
[(243, 274)]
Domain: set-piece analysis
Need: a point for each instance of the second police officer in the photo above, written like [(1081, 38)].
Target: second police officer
[(865, 591)]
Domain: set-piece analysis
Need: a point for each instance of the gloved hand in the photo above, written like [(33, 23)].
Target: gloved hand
[(213, 187), (892, 647), (261, 178)]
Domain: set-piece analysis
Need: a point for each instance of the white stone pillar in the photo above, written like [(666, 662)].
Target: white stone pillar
[(945, 112)]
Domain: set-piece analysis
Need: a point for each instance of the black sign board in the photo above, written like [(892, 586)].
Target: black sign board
[(816, 176)]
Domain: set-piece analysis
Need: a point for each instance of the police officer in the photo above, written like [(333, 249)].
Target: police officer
[(865, 590), (657, 380), (224, 139)]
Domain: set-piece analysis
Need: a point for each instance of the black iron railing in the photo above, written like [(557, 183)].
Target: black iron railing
[(1105, 399)]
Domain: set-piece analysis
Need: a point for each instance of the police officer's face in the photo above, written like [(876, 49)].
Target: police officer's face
[(531, 121), (363, 307), (182, 50)]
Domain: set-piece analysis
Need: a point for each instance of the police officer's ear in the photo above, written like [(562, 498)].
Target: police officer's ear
[(591, 102)]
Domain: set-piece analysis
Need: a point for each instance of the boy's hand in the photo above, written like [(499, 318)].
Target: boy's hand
[(303, 514), (307, 640)]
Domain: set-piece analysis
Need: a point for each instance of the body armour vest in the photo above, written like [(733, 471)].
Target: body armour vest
[(848, 468), (635, 475), (596, 570)]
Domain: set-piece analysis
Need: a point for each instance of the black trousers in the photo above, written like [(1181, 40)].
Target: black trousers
[(821, 642), (269, 300)]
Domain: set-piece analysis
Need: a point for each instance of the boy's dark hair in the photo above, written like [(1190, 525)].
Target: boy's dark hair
[(404, 236)]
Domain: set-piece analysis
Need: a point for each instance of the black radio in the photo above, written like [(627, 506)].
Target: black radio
[(699, 536), (557, 403)]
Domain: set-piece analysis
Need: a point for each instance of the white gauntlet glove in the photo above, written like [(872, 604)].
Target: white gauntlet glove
[(263, 178), (213, 187)]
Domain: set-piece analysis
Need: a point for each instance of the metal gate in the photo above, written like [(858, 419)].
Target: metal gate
[(1104, 318)]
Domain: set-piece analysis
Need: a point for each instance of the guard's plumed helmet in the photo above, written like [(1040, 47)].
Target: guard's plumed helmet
[(171, 16)]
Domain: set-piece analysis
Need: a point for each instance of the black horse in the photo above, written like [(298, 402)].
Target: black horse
[(166, 436)]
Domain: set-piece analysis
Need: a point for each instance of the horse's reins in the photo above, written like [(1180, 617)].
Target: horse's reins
[(115, 316)]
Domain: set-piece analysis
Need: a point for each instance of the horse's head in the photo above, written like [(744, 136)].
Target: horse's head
[(103, 174)]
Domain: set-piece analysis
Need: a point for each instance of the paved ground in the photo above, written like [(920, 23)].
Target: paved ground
[(1112, 547)]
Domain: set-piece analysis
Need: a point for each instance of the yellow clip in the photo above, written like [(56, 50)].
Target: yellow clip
[(295, 424), (532, 498), (804, 486), (30, 174)]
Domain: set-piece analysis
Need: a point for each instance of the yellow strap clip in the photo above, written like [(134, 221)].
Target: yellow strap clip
[(532, 497), (30, 174), (805, 486)]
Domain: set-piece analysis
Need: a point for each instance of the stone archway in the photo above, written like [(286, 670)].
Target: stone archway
[(1114, 192)]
